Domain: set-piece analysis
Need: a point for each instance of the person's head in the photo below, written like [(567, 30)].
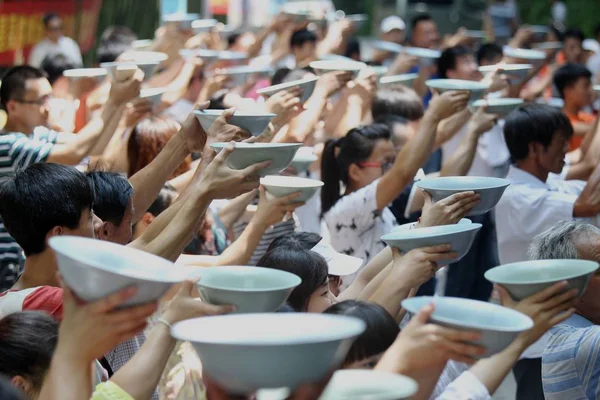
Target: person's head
[(241, 41), (574, 83), (303, 44), (573, 240), (284, 75), (46, 200), (458, 63), (401, 129), (379, 335), (53, 26), (399, 101), (313, 294), (353, 49), (537, 136), (148, 138), (113, 204), (489, 54), (25, 94), (27, 342), (163, 201), (424, 32), (115, 40), (393, 29), (573, 46), (54, 65), (356, 160)]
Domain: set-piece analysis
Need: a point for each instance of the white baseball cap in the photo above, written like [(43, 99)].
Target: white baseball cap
[(392, 22), (338, 264), (591, 45)]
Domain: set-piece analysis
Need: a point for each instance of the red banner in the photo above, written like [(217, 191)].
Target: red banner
[(21, 25), (219, 7)]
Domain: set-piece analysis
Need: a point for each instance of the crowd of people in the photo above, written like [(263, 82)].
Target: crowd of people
[(90, 157)]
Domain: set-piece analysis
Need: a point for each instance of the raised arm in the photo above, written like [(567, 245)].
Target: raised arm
[(450, 126)]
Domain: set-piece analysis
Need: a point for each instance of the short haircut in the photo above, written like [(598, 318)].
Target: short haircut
[(163, 200), (14, 81), (418, 19), (112, 195), (447, 60), (399, 101), (352, 48), (299, 38), (115, 40), (568, 75), (55, 64), (296, 240), (231, 39), (574, 33), (40, 197), (489, 52), (49, 17), (534, 123), (559, 242)]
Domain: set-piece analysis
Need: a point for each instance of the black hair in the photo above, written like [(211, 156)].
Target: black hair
[(49, 17), (352, 48), (574, 33), (55, 64), (308, 265), (556, 32), (302, 36), (568, 75), (296, 240), (163, 200), (381, 331), (533, 123), (398, 101), (27, 342), (447, 60), (597, 31), (115, 40), (489, 52), (40, 197), (14, 81), (280, 75), (217, 101), (9, 392), (418, 19), (112, 194), (296, 74), (356, 146), (231, 39)]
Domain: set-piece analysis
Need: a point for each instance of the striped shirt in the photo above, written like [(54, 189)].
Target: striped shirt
[(272, 233), (19, 151), (571, 361)]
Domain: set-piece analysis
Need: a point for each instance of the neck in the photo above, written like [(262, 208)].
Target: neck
[(571, 108), (40, 270), (53, 40), (13, 125), (591, 315), (534, 169)]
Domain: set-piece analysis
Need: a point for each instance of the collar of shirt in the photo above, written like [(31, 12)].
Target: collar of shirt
[(577, 321), (517, 175)]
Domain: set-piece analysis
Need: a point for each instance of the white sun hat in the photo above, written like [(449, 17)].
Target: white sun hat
[(338, 264), (392, 22)]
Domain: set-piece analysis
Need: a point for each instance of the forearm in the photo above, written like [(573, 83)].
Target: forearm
[(234, 210), (241, 250), (304, 124), (65, 372), (140, 376), (492, 371), (367, 274), (169, 75), (462, 159), (110, 119), (391, 291), (347, 115), (256, 47), (450, 126)]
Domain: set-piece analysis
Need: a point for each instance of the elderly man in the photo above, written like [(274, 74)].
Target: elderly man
[(570, 367)]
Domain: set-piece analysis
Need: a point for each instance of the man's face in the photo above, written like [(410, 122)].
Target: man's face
[(466, 68), (54, 29), (305, 52), (394, 36), (581, 93), (33, 108), (552, 158), (426, 35), (573, 50)]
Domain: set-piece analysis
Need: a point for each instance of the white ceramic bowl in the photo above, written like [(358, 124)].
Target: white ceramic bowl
[(142, 44), (548, 46), (328, 66), (523, 279), (423, 53), (111, 67), (255, 123), (246, 154), (358, 19), (152, 94), (307, 85), (404, 79), (279, 186), (98, 74), (517, 72), (334, 57), (501, 107), (524, 54), (148, 67), (204, 25), (247, 352), (597, 88), (94, 269), (250, 289), (379, 70), (474, 34), (412, 225), (389, 47), (239, 75), (361, 384), (460, 237), (183, 21), (234, 56), (477, 89), (498, 325), (137, 56), (303, 159), (490, 189)]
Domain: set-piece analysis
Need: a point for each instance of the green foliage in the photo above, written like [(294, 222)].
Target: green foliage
[(582, 14)]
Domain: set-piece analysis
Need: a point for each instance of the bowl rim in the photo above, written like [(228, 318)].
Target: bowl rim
[(245, 69), (386, 45), (403, 386), (305, 158), (232, 268), (352, 327), (287, 85), (315, 183), (216, 113), (426, 183), (149, 92), (94, 72), (398, 78), (231, 55), (492, 274), (422, 52), (258, 145), (505, 67), (430, 232), (476, 85), (334, 65), (180, 17), (204, 23), (412, 306), (502, 101), (524, 54)]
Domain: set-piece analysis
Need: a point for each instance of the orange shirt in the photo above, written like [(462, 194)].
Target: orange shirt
[(581, 117)]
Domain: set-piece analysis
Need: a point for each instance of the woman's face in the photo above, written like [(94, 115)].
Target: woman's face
[(381, 159), (321, 299)]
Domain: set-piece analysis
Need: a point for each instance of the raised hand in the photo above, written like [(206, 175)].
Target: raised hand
[(271, 211), (447, 211), (331, 82), (482, 122), (420, 265), (286, 104), (125, 91), (447, 104)]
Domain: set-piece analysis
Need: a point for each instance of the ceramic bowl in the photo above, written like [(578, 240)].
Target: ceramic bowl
[(250, 289), (247, 352), (183, 21), (111, 67), (516, 72), (474, 34), (498, 325), (334, 57), (404, 79), (523, 279), (379, 70), (94, 269), (524, 54), (501, 107), (412, 225), (279, 186), (459, 236), (307, 85), (255, 123), (303, 159), (246, 154), (97, 74), (477, 89), (328, 66), (358, 19), (142, 44), (239, 75), (490, 189), (153, 94), (204, 25), (597, 88), (232, 56), (389, 47), (426, 56), (361, 384), (548, 46)]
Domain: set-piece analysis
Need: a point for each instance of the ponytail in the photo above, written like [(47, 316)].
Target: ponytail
[(331, 175)]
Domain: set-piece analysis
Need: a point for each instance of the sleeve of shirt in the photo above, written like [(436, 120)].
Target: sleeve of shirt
[(356, 210), (586, 363), (46, 135), (48, 299), (26, 151), (110, 391), (465, 387)]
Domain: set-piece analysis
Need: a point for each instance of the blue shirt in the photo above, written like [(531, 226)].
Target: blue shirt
[(571, 363)]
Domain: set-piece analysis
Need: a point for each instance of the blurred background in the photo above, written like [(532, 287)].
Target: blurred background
[(21, 27)]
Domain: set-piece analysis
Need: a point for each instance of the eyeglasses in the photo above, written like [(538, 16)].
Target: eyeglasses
[(40, 102), (385, 166)]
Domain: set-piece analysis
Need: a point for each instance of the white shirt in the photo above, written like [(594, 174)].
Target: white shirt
[(458, 383), (66, 46)]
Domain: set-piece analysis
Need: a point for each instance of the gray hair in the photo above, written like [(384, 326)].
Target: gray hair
[(558, 242)]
